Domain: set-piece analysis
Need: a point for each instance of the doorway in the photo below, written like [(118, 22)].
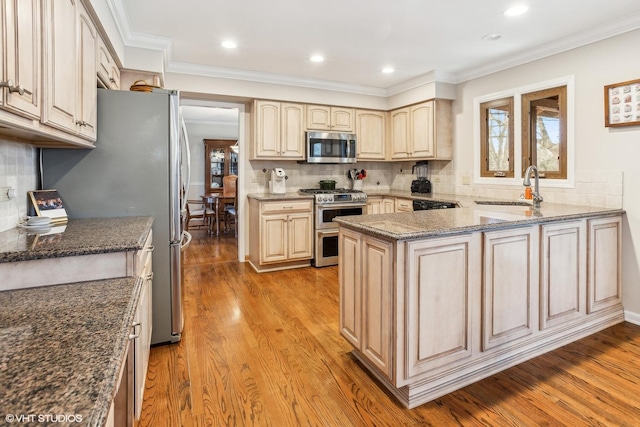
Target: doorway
[(215, 120)]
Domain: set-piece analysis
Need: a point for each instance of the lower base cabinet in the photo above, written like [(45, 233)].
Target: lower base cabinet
[(427, 317), (365, 312), (281, 234)]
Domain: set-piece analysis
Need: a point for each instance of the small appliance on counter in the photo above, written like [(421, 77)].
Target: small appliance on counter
[(277, 183), (422, 184)]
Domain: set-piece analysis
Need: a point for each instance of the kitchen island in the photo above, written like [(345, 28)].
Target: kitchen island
[(432, 301)]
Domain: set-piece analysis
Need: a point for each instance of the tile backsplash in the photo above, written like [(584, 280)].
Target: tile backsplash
[(18, 169)]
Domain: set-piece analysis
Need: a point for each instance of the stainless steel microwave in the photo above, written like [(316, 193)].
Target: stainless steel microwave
[(329, 147)]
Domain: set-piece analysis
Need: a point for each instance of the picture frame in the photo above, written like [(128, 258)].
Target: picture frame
[(622, 104), (48, 203)]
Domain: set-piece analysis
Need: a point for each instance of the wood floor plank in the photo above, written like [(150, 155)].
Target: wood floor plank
[(265, 350)]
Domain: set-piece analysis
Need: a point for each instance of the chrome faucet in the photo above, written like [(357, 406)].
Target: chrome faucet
[(537, 198)]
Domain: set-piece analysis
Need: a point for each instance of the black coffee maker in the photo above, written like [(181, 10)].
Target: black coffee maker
[(422, 184)]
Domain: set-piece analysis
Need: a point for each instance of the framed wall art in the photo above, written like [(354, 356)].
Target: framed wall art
[(622, 104)]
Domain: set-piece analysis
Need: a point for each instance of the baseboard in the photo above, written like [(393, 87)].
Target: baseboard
[(632, 317)]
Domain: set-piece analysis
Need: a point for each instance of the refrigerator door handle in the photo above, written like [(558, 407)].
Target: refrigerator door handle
[(176, 293), (174, 169), (187, 150)]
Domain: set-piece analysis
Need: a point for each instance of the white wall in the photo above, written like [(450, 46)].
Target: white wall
[(603, 156)]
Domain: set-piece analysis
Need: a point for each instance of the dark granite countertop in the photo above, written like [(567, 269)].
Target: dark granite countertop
[(79, 237), (468, 218), (62, 348)]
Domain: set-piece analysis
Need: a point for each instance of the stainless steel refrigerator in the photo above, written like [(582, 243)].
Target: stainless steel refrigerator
[(135, 169)]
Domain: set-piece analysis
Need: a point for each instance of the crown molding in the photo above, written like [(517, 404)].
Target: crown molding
[(272, 78), (565, 44), (573, 41)]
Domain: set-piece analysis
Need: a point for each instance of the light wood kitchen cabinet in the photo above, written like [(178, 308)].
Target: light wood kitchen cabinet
[(442, 284), (107, 69), (278, 131), (510, 286), (366, 310), (70, 78), (403, 205), (374, 205), (283, 234), (20, 59), (61, 65), (563, 272), (87, 110), (388, 205), (143, 323), (422, 131), (604, 287), (371, 134), (473, 304), (335, 119), (48, 73)]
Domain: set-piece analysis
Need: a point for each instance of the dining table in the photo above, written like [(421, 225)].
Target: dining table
[(215, 201)]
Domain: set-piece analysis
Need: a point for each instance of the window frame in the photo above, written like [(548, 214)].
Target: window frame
[(529, 153), (484, 135), (516, 93)]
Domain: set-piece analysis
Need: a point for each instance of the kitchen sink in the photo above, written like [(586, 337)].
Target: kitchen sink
[(502, 203)]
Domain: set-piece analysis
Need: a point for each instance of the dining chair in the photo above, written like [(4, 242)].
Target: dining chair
[(229, 197), (199, 216), (231, 216)]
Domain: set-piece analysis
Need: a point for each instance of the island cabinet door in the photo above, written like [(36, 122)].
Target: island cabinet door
[(441, 291), (350, 279), (604, 288), (510, 286), (377, 302), (563, 273)]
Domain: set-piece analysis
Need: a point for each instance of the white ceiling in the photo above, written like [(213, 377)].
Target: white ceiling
[(358, 37)]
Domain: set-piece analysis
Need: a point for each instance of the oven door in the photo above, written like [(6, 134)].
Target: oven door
[(326, 213), (326, 252)]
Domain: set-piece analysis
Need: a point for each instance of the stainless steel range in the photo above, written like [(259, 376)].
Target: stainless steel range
[(330, 204)]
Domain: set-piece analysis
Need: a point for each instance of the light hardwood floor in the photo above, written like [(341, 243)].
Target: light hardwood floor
[(264, 350)]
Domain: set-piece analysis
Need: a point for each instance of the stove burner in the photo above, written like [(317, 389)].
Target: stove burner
[(335, 191)]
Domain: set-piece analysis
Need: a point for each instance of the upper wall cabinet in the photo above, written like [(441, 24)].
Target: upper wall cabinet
[(48, 72), (108, 71), (20, 62), (422, 131), (335, 119), (278, 131), (370, 133), (70, 79), (61, 65), (87, 101)]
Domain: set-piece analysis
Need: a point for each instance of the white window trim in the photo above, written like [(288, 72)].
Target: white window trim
[(517, 93)]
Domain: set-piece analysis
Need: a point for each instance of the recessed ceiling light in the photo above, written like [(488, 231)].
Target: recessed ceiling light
[(317, 58), (516, 10), (229, 44), (388, 70), (491, 37)]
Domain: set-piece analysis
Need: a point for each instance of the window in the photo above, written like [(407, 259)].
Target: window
[(523, 126), (544, 132), (496, 133)]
